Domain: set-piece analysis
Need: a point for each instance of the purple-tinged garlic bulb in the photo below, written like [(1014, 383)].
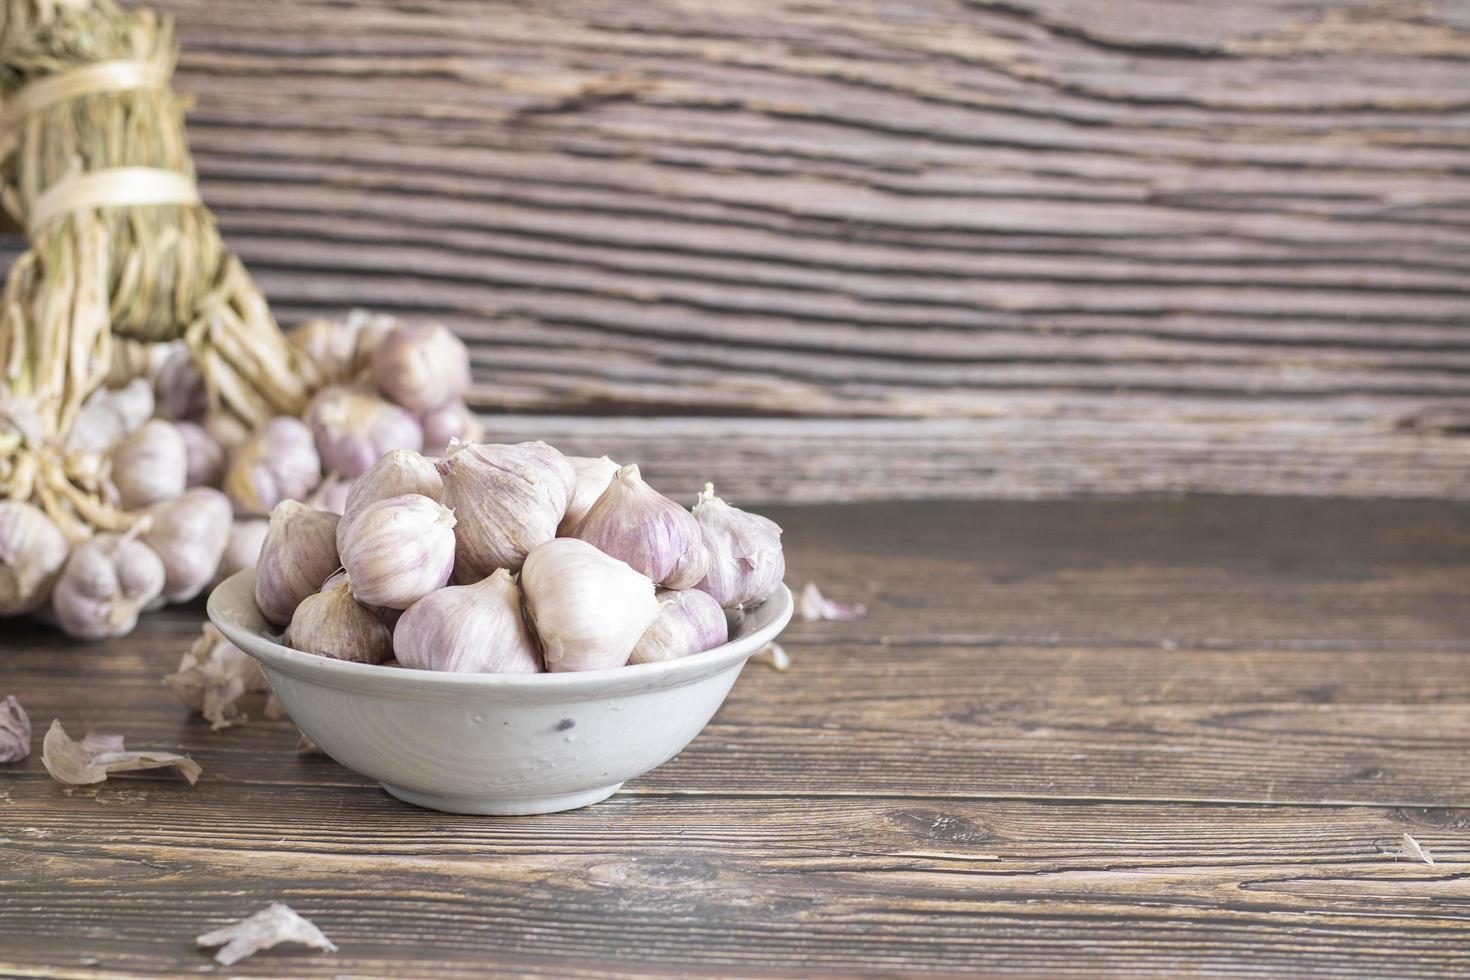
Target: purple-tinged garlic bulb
[(508, 499), (330, 494), (331, 345), (354, 429), (475, 628), (105, 584), (331, 623), (635, 523), (32, 551), (205, 457), (450, 423), (110, 414), (242, 550), (299, 554), (592, 478), (189, 534), (398, 550), (398, 472), (588, 609), (278, 463), (179, 391), (149, 465), (689, 621), (422, 366), (746, 564)]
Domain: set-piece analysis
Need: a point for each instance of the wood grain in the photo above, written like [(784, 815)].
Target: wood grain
[(1142, 246), (1120, 737)]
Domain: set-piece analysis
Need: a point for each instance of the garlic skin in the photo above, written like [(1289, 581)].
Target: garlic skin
[(508, 499), (398, 472), (278, 463), (329, 344), (242, 549), (32, 551), (105, 583), (475, 628), (297, 556), (635, 523), (330, 494), (331, 623), (189, 534), (689, 621), (354, 429), (149, 465), (226, 430), (450, 423), (110, 414), (746, 563), (398, 550), (205, 458), (421, 366), (588, 609), (179, 392), (592, 478)]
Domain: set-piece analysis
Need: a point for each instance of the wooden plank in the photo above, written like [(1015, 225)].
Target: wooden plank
[(1141, 241)]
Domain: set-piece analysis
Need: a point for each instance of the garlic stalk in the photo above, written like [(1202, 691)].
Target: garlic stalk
[(587, 608), (475, 628), (635, 523)]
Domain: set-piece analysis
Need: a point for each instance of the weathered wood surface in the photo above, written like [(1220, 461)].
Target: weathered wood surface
[(1114, 737), (1154, 246)]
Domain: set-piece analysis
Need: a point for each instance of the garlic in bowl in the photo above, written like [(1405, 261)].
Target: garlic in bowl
[(496, 743)]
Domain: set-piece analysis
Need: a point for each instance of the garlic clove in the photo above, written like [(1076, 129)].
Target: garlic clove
[(299, 552), (331, 623), (205, 458), (242, 550), (475, 628), (110, 414), (453, 422), (398, 550), (421, 366), (507, 499), (398, 472), (746, 563), (592, 478), (635, 523), (105, 584), (32, 552), (278, 463), (689, 621), (588, 609), (189, 534), (149, 465), (354, 429)]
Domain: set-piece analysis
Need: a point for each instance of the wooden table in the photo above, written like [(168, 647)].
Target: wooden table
[(1112, 737)]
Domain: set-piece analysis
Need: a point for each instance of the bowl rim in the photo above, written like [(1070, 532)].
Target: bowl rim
[(231, 606)]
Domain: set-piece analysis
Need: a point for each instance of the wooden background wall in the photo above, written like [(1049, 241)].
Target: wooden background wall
[(840, 248)]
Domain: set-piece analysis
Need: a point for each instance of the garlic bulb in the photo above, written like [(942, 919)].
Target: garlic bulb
[(354, 429), (109, 414), (330, 494), (149, 465), (205, 457), (178, 387), (635, 523), (470, 629), (331, 623), (592, 478), (299, 552), (242, 550), (32, 551), (226, 430), (453, 422), (588, 609), (329, 344), (507, 499), (105, 584), (398, 472), (189, 534), (398, 550), (689, 621), (421, 366), (746, 564), (278, 463)]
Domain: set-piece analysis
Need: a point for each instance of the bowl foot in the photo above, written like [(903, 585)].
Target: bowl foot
[(502, 806)]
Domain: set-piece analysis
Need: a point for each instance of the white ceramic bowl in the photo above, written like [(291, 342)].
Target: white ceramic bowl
[(495, 743)]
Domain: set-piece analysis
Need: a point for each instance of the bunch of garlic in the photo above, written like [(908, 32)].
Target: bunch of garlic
[(559, 564)]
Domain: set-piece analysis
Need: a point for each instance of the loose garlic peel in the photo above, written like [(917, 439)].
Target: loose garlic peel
[(588, 609)]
